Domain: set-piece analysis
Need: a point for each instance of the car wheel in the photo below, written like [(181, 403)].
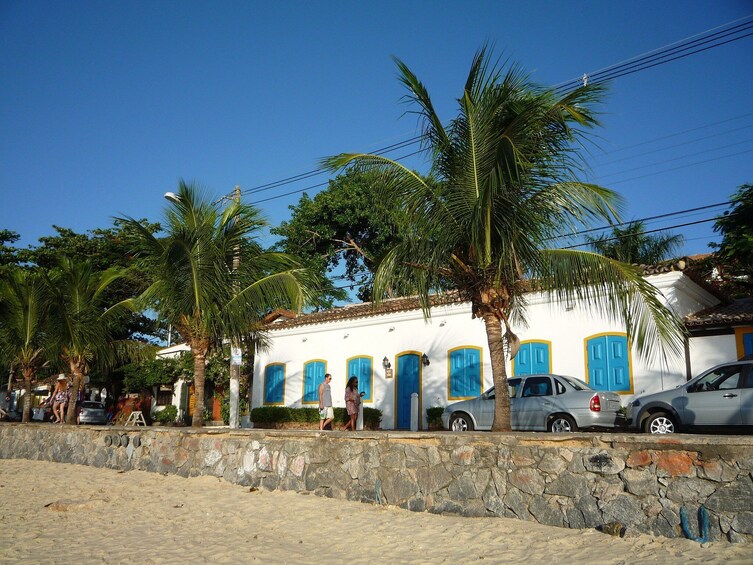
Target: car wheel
[(659, 423), (461, 423), (562, 423)]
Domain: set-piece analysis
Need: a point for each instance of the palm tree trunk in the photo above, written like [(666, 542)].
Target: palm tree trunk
[(499, 373), (199, 368), (27, 395), (78, 383)]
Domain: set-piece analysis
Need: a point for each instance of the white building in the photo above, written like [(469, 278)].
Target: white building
[(394, 351)]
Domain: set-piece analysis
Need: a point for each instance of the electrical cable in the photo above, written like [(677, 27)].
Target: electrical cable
[(630, 66)]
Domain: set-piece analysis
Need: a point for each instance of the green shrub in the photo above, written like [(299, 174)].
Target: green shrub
[(434, 415), (372, 417), (167, 415)]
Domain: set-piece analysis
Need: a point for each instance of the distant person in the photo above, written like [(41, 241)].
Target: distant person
[(352, 402), (326, 412), (60, 399)]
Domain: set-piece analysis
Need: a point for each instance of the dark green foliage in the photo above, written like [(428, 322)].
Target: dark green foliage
[(735, 253), (153, 372), (434, 415), (372, 417), (8, 254), (630, 244), (345, 227), (167, 415)]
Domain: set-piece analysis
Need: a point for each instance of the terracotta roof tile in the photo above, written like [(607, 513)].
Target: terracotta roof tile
[(738, 311), (366, 310)]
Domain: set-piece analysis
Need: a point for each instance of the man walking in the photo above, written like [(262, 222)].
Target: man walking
[(326, 413)]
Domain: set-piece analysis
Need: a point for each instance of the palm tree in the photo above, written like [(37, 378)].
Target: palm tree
[(195, 285), (24, 309), (82, 330), (631, 244), (503, 185)]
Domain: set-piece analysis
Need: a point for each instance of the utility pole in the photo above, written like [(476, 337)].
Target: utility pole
[(235, 347)]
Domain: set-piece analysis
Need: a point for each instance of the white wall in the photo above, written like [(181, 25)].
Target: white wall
[(705, 352), (452, 326)]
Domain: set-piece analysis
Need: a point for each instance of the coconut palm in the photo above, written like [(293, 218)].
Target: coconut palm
[(503, 186), (631, 244), (24, 309), (82, 322), (196, 286)]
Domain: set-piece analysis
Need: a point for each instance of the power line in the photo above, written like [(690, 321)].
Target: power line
[(681, 167), (646, 232), (648, 61), (665, 148), (630, 66), (664, 161), (647, 219), (615, 238)]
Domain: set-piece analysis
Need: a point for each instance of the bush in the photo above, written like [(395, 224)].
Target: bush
[(372, 417), (434, 415), (167, 415)]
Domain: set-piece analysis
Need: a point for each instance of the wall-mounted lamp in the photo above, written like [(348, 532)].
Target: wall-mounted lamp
[(425, 360), (391, 329), (346, 335), (386, 363), (443, 323), (305, 339)]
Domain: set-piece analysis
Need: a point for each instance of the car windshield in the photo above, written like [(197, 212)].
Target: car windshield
[(92, 404), (575, 383)]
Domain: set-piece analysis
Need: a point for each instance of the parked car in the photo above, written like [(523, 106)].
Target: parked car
[(554, 403), (721, 396), (92, 412)]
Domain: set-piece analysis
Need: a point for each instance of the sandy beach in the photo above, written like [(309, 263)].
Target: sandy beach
[(61, 513)]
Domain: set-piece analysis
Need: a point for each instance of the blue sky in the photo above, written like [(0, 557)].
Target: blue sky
[(105, 105)]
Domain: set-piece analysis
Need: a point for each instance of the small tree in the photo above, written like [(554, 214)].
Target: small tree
[(198, 286), (504, 182), (735, 252), (24, 311), (631, 244)]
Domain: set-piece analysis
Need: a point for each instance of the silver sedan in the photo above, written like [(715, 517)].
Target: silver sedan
[(554, 403)]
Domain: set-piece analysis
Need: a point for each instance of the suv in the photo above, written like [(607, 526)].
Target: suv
[(720, 397)]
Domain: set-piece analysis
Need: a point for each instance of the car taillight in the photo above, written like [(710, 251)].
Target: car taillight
[(595, 405)]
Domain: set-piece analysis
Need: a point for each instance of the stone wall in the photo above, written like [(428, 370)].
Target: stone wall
[(641, 483)]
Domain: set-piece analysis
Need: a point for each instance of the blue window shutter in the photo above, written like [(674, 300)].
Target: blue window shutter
[(313, 376), (523, 360), (361, 368), (597, 363), (465, 373), (539, 358), (619, 366), (274, 384), (532, 358)]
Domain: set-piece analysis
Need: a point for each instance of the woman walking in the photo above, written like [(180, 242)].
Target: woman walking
[(352, 402), (60, 399)]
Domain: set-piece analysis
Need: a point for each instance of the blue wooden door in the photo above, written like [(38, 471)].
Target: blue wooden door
[(532, 359), (408, 381), (313, 376), (361, 367), (608, 363)]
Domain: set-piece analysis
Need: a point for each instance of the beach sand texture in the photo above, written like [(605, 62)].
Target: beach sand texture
[(61, 513)]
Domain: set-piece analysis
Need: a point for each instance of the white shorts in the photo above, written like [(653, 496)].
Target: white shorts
[(326, 413)]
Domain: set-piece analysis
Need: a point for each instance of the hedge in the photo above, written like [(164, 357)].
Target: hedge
[(372, 417)]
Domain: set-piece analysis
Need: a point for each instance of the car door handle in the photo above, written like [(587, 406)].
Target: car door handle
[(729, 395)]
